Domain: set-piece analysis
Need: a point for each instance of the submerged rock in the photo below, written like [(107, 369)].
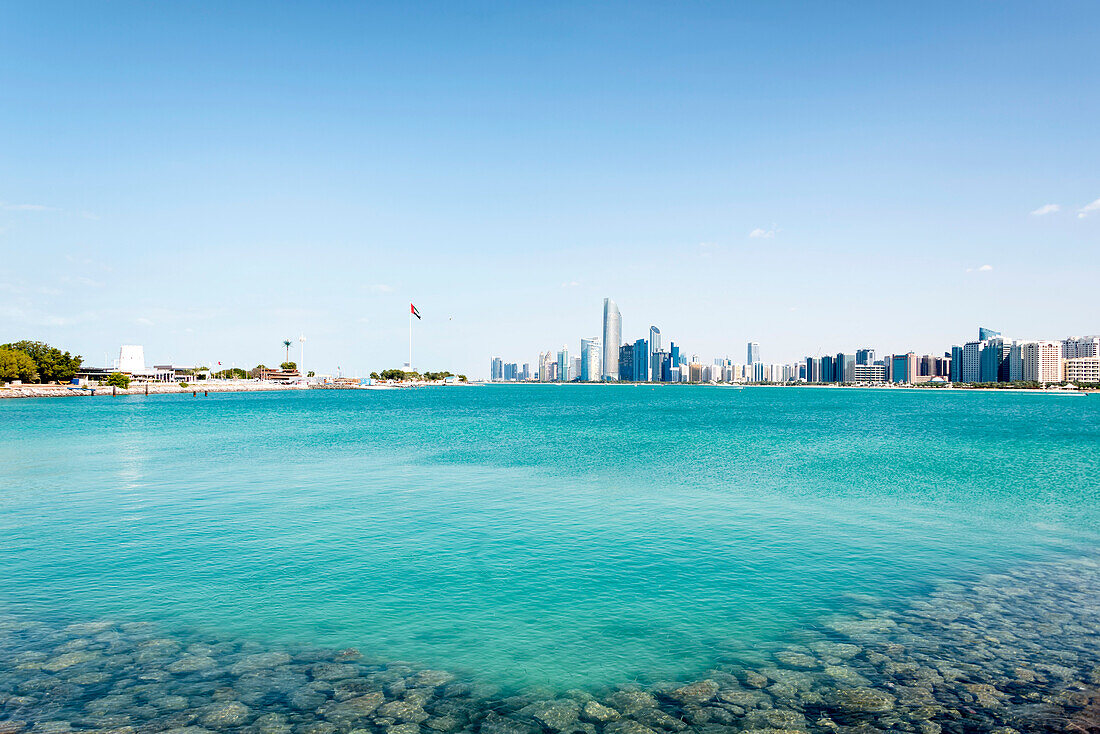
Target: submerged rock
[(862, 700), (557, 715), (597, 712), (698, 692), (224, 715)]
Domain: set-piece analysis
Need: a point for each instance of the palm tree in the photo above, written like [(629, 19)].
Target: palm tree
[(286, 343)]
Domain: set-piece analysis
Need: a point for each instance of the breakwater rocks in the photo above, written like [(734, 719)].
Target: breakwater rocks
[(1008, 653)]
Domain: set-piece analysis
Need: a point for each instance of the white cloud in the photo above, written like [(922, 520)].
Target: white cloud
[(761, 233), (380, 288), (1046, 209), (9, 207), (143, 321), (1088, 209), (982, 269), (570, 284)]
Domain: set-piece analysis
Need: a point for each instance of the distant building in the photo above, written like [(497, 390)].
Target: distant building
[(654, 347), (641, 361), (873, 373), (845, 367), (625, 361), (496, 369), (865, 356), (903, 368), (828, 369), (985, 334), (1081, 346), (971, 370), (1042, 361), (590, 359), (563, 364), (994, 360), (525, 373), (546, 361), (1081, 369), (753, 352), (612, 337)]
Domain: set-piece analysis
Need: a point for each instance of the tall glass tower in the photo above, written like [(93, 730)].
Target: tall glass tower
[(612, 338), (753, 353), (654, 347)]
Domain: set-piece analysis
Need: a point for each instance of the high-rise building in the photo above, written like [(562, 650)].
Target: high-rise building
[(641, 361), (612, 338), (873, 373), (525, 373), (994, 359), (955, 374), (1042, 361), (813, 369), (753, 353), (563, 364), (674, 354), (546, 359), (626, 362), (903, 368), (971, 370), (828, 369), (985, 334), (845, 367), (654, 347), (590, 359), (865, 356), (496, 369), (1081, 346)]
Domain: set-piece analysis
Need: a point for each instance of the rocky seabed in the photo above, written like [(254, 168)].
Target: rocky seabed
[(1015, 652)]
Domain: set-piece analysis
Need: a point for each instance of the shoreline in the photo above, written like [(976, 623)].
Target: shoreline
[(150, 389)]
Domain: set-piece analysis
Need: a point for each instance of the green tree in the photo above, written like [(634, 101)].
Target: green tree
[(16, 365), (52, 365), (256, 371), (374, 376), (288, 366), (117, 379), (310, 374), (286, 343)]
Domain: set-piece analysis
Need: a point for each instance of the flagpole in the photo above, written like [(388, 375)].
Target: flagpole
[(410, 338)]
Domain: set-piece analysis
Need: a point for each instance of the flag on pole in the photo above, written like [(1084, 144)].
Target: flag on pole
[(414, 311)]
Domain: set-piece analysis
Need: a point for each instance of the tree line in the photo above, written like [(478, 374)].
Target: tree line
[(37, 362)]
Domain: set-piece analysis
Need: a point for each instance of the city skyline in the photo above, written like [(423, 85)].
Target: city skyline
[(991, 357), (730, 173)]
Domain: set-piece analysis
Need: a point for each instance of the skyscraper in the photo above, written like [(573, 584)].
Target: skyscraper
[(985, 334), (753, 353), (641, 361), (956, 363), (563, 364), (496, 370), (612, 337), (626, 363), (865, 356), (654, 347), (590, 359)]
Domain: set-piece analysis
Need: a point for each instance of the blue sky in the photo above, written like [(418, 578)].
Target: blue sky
[(207, 179)]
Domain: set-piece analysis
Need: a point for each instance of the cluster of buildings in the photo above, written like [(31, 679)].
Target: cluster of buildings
[(990, 358)]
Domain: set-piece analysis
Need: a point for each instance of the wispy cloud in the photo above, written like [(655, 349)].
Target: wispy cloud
[(141, 320), (10, 207), (982, 269), (570, 284), (380, 288), (761, 233), (1046, 209), (1088, 209)]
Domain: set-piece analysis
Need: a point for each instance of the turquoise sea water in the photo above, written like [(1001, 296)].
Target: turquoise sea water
[(533, 535)]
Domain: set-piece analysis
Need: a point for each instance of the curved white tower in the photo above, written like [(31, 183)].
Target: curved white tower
[(612, 338)]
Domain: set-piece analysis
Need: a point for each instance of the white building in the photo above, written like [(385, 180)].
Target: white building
[(1082, 369), (972, 361), (612, 338), (1042, 361)]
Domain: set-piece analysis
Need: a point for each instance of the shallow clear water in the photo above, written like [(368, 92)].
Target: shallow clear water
[(533, 535)]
